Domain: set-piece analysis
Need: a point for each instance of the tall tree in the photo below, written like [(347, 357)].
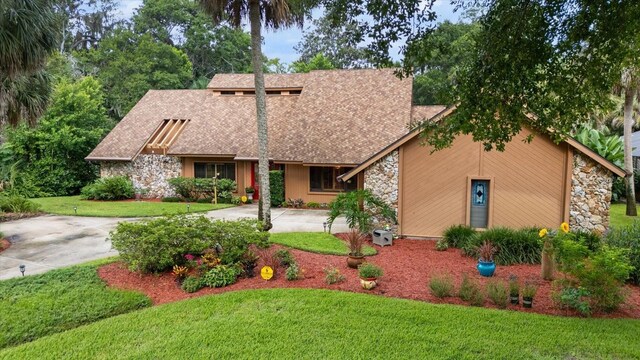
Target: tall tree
[(29, 33), (128, 65), (274, 14), (318, 62), (341, 44), (630, 82)]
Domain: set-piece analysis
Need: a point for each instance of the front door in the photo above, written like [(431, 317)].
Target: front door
[(255, 180), (479, 216)]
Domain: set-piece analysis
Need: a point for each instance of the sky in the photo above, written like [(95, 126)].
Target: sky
[(279, 44)]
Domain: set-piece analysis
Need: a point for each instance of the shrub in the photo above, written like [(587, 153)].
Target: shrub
[(576, 298), (441, 245), (109, 188), (360, 207), (293, 272), (171, 199), (369, 271), (192, 188), (486, 251), (628, 237), (333, 275), (441, 286), (295, 203), (206, 200), (313, 205), (225, 190), (355, 242), (284, 257), (498, 293), (276, 184), (155, 245), (17, 204), (469, 289), (458, 236), (513, 246), (249, 262), (192, 284), (220, 276)]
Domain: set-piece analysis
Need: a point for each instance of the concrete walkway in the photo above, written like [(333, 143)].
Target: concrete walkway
[(48, 242)]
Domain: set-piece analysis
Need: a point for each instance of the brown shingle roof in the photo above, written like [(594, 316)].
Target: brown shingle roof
[(341, 117)]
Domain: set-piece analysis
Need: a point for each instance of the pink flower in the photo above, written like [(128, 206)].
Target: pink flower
[(199, 262), (189, 257)]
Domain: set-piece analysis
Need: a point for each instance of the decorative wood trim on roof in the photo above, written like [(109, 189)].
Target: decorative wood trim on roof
[(166, 134)]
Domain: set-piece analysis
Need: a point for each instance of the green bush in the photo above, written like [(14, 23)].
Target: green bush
[(156, 245), (369, 270), (226, 187), (469, 290), (442, 245), (514, 246), (276, 184), (359, 208), (458, 236), (221, 276), (205, 200), (195, 189), (333, 275), (17, 204), (192, 284), (293, 272), (628, 237), (576, 298), (313, 205), (441, 286), (284, 257), (498, 292), (109, 188), (171, 199)]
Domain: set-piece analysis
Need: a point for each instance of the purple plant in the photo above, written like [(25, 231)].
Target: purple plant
[(189, 257)]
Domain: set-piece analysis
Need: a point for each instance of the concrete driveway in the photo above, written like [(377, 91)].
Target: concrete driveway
[(48, 242)]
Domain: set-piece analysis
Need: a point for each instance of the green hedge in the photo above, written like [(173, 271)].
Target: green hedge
[(628, 237), (109, 188), (194, 189), (158, 244), (276, 182)]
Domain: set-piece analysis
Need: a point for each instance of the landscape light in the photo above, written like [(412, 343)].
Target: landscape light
[(22, 269), (324, 225), (75, 209)]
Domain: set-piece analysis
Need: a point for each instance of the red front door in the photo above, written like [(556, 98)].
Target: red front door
[(255, 180)]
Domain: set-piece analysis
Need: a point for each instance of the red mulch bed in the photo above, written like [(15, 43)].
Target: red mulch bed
[(7, 216), (4, 244), (408, 265)]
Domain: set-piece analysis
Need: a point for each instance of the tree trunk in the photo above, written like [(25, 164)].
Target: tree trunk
[(264, 212), (629, 96)]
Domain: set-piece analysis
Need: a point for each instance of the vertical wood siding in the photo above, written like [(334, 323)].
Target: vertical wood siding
[(528, 184), (243, 170), (296, 184)]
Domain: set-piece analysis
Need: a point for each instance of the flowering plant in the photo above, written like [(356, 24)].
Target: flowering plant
[(180, 272)]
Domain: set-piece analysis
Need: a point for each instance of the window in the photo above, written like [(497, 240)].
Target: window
[(324, 178), (207, 170)]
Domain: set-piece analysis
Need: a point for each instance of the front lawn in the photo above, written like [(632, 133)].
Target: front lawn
[(318, 242), (619, 217), (64, 205), (40, 305), (305, 324)]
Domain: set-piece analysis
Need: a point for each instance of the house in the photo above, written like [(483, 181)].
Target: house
[(339, 130)]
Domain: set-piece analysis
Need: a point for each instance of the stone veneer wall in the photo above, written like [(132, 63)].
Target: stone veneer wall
[(381, 178), (590, 195), (147, 171)]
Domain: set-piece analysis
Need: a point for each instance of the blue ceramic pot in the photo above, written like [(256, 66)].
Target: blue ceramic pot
[(486, 268)]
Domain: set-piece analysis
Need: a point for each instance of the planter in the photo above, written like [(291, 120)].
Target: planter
[(515, 299), (486, 268), (355, 261), (368, 283), (250, 196), (527, 302)]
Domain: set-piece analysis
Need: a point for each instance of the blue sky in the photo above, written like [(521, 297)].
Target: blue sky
[(280, 44)]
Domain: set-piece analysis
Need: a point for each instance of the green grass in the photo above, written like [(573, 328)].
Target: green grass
[(319, 324), (619, 217), (64, 205), (317, 242), (35, 306)]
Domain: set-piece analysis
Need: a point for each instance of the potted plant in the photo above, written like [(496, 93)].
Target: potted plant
[(528, 293), (369, 274), (514, 290), (355, 243), (250, 190), (486, 266)]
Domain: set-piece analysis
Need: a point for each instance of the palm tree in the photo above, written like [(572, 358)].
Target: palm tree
[(629, 86), (274, 14), (28, 35)]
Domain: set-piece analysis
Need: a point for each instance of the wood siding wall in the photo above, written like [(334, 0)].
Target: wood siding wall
[(528, 184), (296, 184), (243, 170)]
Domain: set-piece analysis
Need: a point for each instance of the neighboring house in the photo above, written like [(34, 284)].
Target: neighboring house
[(339, 130), (635, 145)]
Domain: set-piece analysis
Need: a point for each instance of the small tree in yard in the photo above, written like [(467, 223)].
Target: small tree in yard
[(359, 208)]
